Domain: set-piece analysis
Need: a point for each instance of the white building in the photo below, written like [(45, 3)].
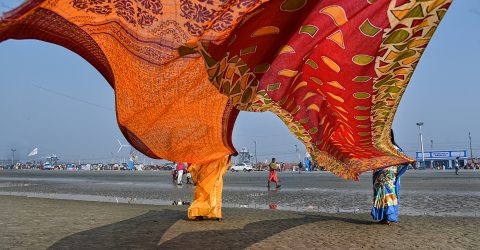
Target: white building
[(443, 159)]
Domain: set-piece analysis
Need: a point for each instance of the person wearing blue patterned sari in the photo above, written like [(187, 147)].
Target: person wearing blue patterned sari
[(386, 192)]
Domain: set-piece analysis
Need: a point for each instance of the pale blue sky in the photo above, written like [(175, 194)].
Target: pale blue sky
[(38, 81)]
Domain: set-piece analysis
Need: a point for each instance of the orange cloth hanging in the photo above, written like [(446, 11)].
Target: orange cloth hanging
[(208, 180)]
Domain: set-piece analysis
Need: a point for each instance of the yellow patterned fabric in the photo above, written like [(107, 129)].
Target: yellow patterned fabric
[(208, 180)]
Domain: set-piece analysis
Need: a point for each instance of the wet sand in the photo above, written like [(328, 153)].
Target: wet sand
[(34, 223), (437, 193)]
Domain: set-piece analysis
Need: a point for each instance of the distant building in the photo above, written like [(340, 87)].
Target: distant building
[(244, 156), (442, 159)]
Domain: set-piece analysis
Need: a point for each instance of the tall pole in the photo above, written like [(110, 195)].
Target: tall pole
[(256, 162), (13, 156), (471, 151), (420, 124), (298, 155), (296, 151)]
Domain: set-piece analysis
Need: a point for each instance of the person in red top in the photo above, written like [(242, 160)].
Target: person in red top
[(180, 169)]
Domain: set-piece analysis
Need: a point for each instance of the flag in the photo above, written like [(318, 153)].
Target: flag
[(34, 152)]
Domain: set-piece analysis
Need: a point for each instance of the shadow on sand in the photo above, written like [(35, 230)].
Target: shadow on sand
[(145, 232)]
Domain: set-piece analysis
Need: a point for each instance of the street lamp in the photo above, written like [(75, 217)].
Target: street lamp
[(420, 124), (471, 151), (298, 155), (297, 152), (256, 162)]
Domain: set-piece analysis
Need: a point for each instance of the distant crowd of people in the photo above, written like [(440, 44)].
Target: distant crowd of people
[(287, 166)]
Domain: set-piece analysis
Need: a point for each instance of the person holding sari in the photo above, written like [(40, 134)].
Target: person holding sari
[(386, 192)]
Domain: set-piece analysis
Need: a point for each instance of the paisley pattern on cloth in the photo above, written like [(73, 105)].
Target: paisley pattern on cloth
[(333, 70)]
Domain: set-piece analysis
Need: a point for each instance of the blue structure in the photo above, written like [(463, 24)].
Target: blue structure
[(131, 163), (307, 164)]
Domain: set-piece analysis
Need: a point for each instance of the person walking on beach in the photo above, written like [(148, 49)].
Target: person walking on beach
[(273, 174), (386, 192), (180, 168), (457, 165)]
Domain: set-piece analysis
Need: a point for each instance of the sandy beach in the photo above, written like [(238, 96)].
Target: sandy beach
[(437, 193), (34, 223)]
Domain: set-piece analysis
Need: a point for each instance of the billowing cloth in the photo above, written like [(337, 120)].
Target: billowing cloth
[(135, 45), (333, 70), (386, 193)]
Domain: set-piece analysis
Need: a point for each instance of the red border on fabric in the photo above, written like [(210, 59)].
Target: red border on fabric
[(229, 117)]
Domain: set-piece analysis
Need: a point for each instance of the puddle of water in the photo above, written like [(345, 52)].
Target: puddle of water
[(86, 181), (3, 185), (285, 207), (85, 197)]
